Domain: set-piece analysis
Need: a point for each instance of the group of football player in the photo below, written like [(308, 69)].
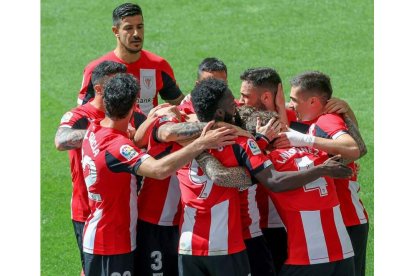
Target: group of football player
[(205, 184)]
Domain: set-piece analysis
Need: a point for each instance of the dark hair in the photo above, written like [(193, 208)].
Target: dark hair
[(211, 64), (105, 69), (314, 82), (262, 77), (246, 117), (124, 10), (120, 94), (206, 96)]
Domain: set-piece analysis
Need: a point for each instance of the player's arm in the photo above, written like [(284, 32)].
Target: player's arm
[(285, 181), (335, 105), (67, 138), (344, 144), (235, 177), (166, 166), (176, 101)]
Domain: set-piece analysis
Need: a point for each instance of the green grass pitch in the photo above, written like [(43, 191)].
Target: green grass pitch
[(335, 37)]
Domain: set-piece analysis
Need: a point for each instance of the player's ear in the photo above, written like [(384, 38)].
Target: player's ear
[(98, 89), (219, 114), (115, 30)]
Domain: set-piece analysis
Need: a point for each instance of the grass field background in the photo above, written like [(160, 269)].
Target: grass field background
[(335, 37)]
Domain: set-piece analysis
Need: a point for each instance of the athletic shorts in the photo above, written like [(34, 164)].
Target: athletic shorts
[(109, 265), (339, 268), (276, 239), (260, 258), (157, 249), (78, 227), (359, 239), (226, 265)]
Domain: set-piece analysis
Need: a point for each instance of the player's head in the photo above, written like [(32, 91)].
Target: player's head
[(212, 67), (102, 72), (213, 100), (128, 27), (259, 87), (309, 94), (120, 94), (246, 117)]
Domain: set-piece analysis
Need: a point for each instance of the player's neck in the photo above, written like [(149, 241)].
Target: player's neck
[(125, 55), (98, 104), (121, 124)]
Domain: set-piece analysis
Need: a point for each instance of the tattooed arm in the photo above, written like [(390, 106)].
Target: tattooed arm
[(234, 177), (68, 138), (179, 132), (354, 132)]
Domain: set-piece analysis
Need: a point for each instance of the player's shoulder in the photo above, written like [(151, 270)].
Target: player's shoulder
[(110, 56), (154, 58), (330, 117)]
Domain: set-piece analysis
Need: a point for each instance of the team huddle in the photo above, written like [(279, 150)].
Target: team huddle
[(205, 184)]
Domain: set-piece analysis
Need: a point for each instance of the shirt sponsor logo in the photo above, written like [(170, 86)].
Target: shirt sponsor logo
[(128, 152), (66, 118), (253, 147)]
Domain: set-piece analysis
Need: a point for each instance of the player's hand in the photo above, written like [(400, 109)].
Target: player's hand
[(335, 105), (216, 138), (294, 138), (131, 132), (159, 110), (239, 130), (336, 169), (270, 130)]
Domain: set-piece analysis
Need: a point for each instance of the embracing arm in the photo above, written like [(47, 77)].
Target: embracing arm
[(160, 169), (236, 177), (285, 181), (67, 138), (354, 132)]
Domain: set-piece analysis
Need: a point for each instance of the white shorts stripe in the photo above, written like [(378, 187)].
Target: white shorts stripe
[(346, 244), (186, 235), (359, 208), (218, 244), (315, 238), (89, 236), (171, 202)]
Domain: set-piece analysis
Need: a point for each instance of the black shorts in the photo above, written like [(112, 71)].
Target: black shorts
[(109, 265), (359, 239), (276, 239), (338, 268), (260, 258), (157, 249), (226, 265), (78, 227)]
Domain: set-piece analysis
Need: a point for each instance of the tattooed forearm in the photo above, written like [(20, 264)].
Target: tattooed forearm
[(181, 131), (354, 132), (68, 138), (234, 177)]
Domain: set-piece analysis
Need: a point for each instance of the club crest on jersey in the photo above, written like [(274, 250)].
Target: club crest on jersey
[(148, 81), (128, 152), (253, 147), (66, 118)]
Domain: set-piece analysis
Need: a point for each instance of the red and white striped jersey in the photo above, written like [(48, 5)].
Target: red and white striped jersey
[(315, 228), (250, 216), (211, 222), (79, 118), (331, 126), (153, 72), (159, 200), (269, 216), (109, 161)]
